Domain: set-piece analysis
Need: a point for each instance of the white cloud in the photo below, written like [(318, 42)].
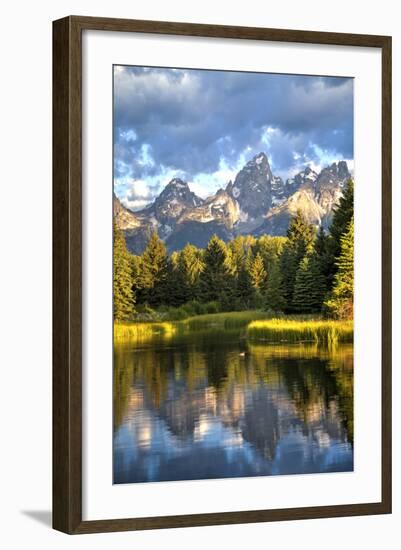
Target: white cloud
[(134, 194), (205, 185), (134, 204), (145, 157), (128, 135)]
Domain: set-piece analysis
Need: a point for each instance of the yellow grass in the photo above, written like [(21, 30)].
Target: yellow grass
[(288, 330), (256, 325), (142, 332)]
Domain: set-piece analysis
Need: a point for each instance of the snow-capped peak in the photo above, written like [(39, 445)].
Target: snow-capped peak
[(177, 182)]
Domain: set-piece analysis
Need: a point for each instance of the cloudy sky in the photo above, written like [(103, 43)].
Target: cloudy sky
[(203, 126)]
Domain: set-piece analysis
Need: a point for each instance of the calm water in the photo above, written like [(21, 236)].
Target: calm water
[(211, 405)]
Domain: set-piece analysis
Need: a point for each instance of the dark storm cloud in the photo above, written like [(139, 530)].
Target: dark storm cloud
[(190, 120)]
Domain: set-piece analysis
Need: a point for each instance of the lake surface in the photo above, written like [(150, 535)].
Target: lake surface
[(209, 404)]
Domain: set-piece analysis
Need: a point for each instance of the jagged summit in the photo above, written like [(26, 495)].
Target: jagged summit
[(336, 173), (176, 185), (260, 160), (179, 189), (256, 202), (178, 182), (306, 177), (173, 200), (315, 195), (252, 187)]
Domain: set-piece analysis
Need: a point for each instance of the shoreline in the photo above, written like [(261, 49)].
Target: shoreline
[(256, 326)]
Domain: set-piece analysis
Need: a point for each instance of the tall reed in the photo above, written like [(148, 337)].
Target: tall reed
[(292, 331), (142, 332)]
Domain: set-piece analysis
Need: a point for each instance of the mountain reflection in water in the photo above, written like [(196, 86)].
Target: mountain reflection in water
[(192, 407)]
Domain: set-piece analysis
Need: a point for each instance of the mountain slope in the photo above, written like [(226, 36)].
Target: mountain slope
[(175, 198), (124, 218), (315, 197), (252, 187), (257, 202)]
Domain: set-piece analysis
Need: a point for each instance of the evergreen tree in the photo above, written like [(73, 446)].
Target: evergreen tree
[(174, 259), (257, 273), (300, 238), (239, 248), (343, 213), (340, 303), (245, 291), (274, 299), (323, 257), (321, 248), (215, 278), (123, 296), (270, 248), (154, 274), (191, 264), (136, 262), (184, 273), (309, 288), (177, 292)]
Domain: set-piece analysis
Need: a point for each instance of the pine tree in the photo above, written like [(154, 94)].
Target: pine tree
[(245, 291), (184, 272), (274, 299), (343, 213), (319, 287), (154, 274), (300, 238), (191, 265), (309, 288), (340, 303), (136, 262), (215, 279), (321, 250), (177, 292), (270, 248), (123, 296), (238, 249), (257, 273)]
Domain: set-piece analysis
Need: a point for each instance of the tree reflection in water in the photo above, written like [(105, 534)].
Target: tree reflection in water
[(210, 405)]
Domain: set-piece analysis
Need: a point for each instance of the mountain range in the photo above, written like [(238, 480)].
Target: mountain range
[(255, 203)]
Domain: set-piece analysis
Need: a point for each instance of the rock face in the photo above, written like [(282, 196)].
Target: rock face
[(220, 207), (252, 187), (124, 218), (329, 186), (257, 202), (279, 191), (277, 220), (175, 198), (315, 196), (305, 178)]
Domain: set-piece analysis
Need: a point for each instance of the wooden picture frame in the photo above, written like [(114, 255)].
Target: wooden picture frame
[(67, 273)]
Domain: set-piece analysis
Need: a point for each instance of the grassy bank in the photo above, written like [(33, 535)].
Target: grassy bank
[(258, 326), (228, 320), (142, 332), (294, 331)]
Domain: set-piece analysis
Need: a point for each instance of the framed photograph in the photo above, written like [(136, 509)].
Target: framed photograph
[(222, 275)]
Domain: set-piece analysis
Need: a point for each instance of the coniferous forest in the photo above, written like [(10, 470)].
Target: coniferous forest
[(308, 271)]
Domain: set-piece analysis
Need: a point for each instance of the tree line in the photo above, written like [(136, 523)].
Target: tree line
[(307, 271)]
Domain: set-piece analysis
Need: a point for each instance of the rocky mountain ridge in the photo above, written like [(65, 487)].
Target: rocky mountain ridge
[(257, 202)]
